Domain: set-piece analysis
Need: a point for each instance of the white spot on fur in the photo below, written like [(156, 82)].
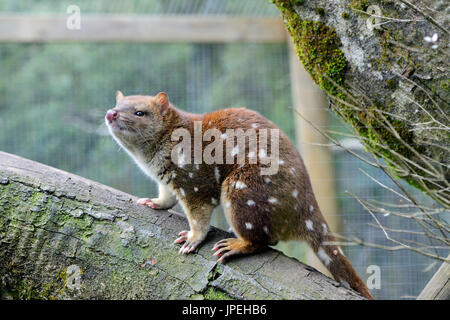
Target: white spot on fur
[(240, 185), (191, 175), (340, 250), (251, 202), (195, 189), (325, 229), (197, 166), (209, 123), (217, 174), (255, 125), (174, 175), (267, 180), (281, 162), (182, 192), (292, 170), (223, 136), (272, 200), (309, 224), (295, 193), (195, 222), (227, 204), (266, 230), (249, 226), (311, 208), (251, 154), (213, 200), (323, 256)]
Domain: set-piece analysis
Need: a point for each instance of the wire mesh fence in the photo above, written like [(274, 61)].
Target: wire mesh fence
[(403, 273), (53, 98)]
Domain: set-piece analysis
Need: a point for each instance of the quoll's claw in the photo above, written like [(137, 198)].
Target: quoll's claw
[(187, 246), (182, 237), (226, 248), (220, 244)]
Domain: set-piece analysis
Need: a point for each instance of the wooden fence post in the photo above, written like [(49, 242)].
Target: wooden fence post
[(438, 288), (309, 100)]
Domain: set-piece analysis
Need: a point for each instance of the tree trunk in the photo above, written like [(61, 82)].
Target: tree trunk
[(384, 65), (66, 237)]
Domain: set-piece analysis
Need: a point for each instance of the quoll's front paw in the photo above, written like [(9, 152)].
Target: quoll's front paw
[(149, 203), (156, 203), (190, 244)]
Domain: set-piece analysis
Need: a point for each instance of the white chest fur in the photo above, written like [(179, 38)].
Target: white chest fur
[(151, 167), (148, 167)]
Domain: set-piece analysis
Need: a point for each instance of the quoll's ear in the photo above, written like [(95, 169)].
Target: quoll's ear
[(161, 100), (119, 96)]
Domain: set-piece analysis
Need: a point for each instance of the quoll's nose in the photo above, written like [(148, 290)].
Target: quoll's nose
[(111, 115)]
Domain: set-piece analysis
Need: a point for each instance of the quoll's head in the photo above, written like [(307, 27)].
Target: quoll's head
[(137, 119)]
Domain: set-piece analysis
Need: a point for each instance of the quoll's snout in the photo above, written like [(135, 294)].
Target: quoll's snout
[(111, 115)]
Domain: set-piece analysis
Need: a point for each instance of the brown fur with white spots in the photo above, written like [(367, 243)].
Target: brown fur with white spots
[(261, 210)]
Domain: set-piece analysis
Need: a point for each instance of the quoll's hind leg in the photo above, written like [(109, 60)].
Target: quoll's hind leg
[(234, 246), (247, 217), (198, 219)]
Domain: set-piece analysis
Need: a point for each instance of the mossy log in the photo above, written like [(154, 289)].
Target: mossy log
[(384, 65), (66, 237)]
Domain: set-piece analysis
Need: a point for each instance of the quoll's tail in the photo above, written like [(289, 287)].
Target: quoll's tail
[(342, 270), (336, 262)]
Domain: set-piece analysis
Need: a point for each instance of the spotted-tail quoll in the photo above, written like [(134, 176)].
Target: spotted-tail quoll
[(263, 186)]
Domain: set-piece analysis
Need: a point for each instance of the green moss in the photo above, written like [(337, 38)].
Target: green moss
[(320, 11), (317, 47), (360, 4), (445, 84), (345, 15), (20, 287), (213, 294), (392, 84)]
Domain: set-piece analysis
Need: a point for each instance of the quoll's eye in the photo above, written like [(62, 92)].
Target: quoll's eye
[(139, 113)]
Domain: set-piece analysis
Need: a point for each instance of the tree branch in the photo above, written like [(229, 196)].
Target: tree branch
[(66, 237)]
